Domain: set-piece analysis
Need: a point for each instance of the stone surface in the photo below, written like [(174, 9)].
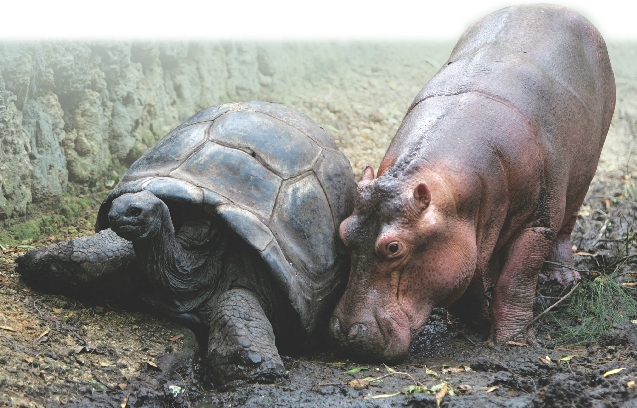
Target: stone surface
[(73, 112)]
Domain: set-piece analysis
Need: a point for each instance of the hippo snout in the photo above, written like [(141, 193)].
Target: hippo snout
[(356, 331), (365, 340)]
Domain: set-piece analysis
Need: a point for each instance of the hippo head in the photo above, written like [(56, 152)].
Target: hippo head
[(410, 253)]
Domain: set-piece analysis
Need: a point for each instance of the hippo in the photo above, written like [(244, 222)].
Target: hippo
[(480, 188)]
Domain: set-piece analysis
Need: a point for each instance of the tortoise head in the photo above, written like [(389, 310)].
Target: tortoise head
[(137, 216)]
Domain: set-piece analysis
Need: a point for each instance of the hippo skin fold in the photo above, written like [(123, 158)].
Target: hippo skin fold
[(479, 190)]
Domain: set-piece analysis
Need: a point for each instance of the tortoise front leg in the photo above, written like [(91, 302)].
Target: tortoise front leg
[(241, 342), (99, 264)]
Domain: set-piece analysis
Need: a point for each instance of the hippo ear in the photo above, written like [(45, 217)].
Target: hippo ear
[(368, 174), (422, 196)]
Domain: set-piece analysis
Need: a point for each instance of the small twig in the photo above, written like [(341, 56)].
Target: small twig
[(377, 379), (601, 231), (565, 266), (600, 211), (468, 338), (125, 402), (36, 308), (102, 382), (276, 384), (399, 373), (621, 261), (542, 314), (330, 384), (112, 308)]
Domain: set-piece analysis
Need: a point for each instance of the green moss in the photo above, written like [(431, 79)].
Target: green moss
[(27, 231), (24, 233), (5, 240), (72, 207), (51, 224), (76, 213)]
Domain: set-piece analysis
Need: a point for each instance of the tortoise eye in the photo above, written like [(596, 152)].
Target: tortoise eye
[(393, 247), (133, 212)]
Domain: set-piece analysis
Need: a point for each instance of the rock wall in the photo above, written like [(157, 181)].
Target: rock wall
[(79, 113)]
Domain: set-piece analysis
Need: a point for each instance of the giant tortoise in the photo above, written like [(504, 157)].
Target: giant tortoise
[(229, 221)]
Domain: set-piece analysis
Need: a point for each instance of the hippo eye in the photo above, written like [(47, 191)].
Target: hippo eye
[(393, 249), (389, 249)]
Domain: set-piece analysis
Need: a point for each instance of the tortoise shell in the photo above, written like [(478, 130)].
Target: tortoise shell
[(274, 176)]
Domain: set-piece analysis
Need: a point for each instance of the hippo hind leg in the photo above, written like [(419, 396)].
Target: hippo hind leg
[(559, 264), (241, 345)]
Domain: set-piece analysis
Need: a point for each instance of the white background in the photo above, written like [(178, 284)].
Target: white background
[(277, 19)]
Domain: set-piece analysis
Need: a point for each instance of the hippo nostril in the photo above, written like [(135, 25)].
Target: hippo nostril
[(357, 330)]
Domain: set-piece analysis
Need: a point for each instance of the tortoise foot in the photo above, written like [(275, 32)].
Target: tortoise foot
[(241, 345), (253, 369)]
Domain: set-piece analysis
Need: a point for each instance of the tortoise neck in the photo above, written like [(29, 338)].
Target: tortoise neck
[(178, 275)]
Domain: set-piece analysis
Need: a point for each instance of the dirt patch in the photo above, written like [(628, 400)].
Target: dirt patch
[(60, 351), (57, 351)]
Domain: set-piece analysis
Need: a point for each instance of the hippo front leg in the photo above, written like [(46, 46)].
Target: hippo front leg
[(514, 291), (241, 343)]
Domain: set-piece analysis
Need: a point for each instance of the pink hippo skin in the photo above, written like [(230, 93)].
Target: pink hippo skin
[(480, 188)]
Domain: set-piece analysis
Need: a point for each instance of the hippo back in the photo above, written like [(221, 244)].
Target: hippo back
[(544, 64), (562, 65)]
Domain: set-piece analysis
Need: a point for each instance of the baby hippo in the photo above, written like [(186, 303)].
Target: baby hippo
[(480, 187)]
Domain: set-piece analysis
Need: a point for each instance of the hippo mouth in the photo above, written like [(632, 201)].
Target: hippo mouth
[(397, 336), (376, 338)]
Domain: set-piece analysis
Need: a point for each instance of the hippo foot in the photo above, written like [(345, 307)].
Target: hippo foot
[(561, 274), (527, 336), (241, 345), (558, 266)]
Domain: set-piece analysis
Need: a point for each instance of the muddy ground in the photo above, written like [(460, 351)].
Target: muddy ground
[(60, 351)]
